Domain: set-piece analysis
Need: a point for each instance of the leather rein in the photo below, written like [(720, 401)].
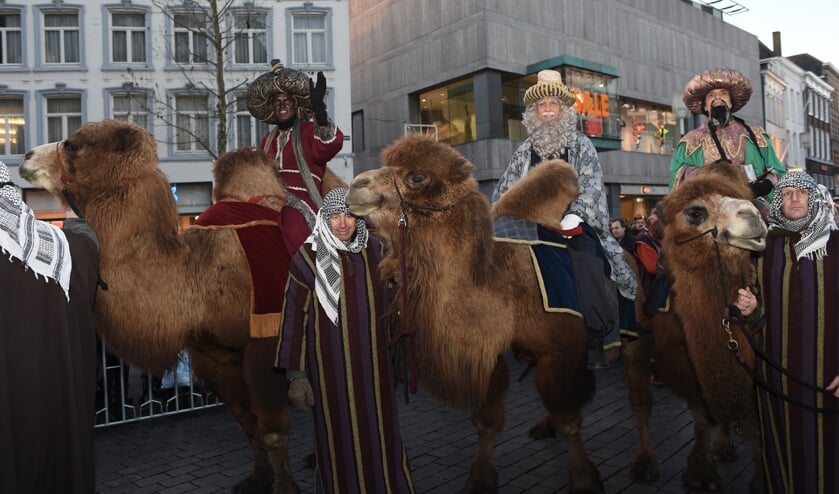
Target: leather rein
[(732, 313)]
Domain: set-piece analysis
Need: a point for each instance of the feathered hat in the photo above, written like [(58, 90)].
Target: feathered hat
[(281, 79), (549, 83), (737, 85)]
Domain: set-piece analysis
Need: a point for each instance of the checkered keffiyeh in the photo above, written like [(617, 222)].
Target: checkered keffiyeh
[(816, 226), (39, 246), (326, 246)]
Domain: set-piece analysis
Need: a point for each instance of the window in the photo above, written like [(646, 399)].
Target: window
[(131, 106), (250, 38), (451, 109), (308, 38), (648, 128), (64, 116), (249, 131), (61, 38), (11, 50), (192, 122), (191, 44), (12, 126), (128, 37)]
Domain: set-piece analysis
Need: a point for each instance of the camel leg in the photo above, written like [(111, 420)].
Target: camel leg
[(636, 363), (221, 372), (723, 449), (269, 403), (565, 385), (488, 419), (701, 472)]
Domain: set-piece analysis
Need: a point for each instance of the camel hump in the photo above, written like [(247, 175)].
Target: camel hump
[(542, 195)]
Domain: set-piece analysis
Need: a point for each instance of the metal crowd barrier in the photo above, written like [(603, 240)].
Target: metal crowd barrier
[(124, 394)]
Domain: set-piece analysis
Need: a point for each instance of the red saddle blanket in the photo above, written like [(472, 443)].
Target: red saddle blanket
[(260, 236)]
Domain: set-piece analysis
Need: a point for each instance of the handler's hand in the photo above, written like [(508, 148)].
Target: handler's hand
[(300, 394), (746, 301), (834, 386)]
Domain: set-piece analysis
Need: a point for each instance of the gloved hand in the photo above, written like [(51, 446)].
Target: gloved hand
[(570, 221), (316, 94), (300, 394)]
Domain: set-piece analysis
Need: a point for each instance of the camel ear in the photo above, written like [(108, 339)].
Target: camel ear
[(462, 169), (127, 137)]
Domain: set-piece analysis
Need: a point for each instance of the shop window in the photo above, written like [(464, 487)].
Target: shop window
[(451, 110), (648, 128), (597, 102)]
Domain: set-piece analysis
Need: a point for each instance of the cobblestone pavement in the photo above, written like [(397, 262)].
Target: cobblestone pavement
[(205, 451)]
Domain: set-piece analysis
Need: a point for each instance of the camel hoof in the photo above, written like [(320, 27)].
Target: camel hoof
[(483, 479), (724, 451), (542, 430), (254, 485), (710, 483), (644, 468), (287, 488)]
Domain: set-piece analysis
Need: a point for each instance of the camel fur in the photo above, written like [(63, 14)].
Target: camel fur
[(688, 343), (167, 291), (472, 297)]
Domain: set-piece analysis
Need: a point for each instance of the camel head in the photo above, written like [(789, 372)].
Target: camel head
[(76, 166), (541, 196), (712, 206), (248, 174), (419, 176)]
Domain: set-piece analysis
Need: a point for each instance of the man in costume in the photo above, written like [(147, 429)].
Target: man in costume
[(334, 347), (551, 124), (800, 276), (301, 145), (47, 350), (718, 94)]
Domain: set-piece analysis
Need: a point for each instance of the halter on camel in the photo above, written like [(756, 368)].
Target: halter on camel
[(731, 312), (406, 330)]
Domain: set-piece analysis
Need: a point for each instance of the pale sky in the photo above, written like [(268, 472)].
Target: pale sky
[(806, 26)]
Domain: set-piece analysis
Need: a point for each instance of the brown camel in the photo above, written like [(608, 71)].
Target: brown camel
[(167, 291), (473, 297), (711, 228)]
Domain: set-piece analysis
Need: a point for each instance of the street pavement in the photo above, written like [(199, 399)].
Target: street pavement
[(206, 452)]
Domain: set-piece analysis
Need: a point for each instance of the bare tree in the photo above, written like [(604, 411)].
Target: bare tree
[(202, 44)]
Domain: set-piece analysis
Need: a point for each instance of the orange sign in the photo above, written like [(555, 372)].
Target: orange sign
[(591, 104)]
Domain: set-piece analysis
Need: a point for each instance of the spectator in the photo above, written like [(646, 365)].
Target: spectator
[(47, 350), (334, 347), (621, 232)]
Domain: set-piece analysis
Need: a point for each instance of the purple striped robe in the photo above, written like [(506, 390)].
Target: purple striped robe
[(801, 447), (358, 446)]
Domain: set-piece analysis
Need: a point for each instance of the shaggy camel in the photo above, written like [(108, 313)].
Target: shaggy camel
[(473, 297), (165, 290), (711, 228)]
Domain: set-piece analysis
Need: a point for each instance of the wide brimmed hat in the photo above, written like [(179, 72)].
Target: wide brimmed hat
[(737, 85), (549, 83), (281, 79)]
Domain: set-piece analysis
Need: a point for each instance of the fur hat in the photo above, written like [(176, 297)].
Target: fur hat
[(738, 86), (281, 79), (549, 83)]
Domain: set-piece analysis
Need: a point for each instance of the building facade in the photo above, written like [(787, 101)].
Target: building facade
[(460, 69), (155, 63)]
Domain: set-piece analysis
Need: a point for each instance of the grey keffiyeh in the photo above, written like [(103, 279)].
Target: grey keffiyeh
[(326, 246), (816, 226), (38, 245)]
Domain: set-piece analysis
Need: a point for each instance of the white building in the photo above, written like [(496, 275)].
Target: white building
[(783, 86), (151, 62)]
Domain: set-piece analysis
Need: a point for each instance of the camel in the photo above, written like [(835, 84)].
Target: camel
[(167, 291), (473, 297), (689, 343)]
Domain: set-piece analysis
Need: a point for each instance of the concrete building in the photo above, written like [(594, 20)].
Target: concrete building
[(783, 96), (460, 69), (67, 63)]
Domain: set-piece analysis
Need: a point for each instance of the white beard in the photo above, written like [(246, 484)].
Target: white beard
[(548, 139)]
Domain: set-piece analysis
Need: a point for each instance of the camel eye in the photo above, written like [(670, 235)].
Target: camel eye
[(71, 147), (415, 180), (696, 215)]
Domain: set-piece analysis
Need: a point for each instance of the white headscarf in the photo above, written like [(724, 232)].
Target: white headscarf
[(816, 226), (38, 245), (326, 246)]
